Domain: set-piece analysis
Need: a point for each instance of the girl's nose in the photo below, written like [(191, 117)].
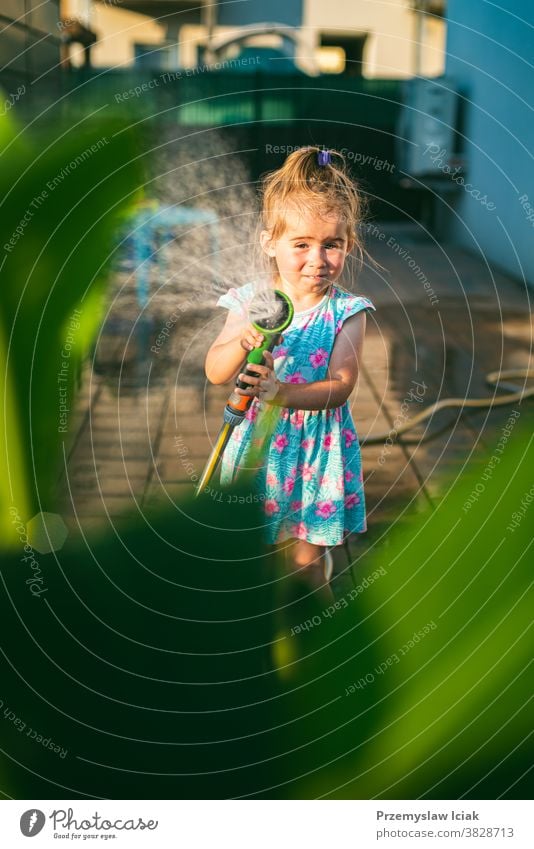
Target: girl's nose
[(317, 254)]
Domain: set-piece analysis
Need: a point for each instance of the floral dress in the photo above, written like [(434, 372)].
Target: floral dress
[(310, 480)]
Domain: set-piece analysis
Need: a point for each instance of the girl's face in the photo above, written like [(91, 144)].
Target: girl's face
[(311, 252)]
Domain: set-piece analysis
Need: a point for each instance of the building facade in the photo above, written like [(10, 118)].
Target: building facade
[(30, 42), (373, 38)]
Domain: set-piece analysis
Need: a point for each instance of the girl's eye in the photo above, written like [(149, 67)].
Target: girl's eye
[(329, 246)]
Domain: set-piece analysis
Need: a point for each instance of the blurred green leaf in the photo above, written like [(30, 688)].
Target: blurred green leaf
[(172, 661), (440, 646), (62, 193)]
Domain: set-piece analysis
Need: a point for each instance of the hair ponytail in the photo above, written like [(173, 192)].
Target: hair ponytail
[(302, 183)]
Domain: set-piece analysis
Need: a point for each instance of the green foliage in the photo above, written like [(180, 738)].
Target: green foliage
[(171, 662), (437, 651), (62, 191)]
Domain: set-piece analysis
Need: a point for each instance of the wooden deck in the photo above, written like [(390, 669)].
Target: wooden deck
[(145, 420)]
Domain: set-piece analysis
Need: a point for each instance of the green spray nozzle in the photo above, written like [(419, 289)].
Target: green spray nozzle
[(272, 326)]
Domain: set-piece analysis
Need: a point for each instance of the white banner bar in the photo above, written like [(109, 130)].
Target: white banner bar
[(268, 824)]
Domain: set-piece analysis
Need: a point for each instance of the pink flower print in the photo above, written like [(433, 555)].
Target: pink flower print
[(271, 506), (279, 352), (307, 443), (351, 500), (288, 485), (280, 442), (297, 419), (360, 476), (349, 475), (319, 357), (349, 435), (252, 413), (293, 471), (299, 531), (337, 414), (339, 325), (307, 471), (296, 505), (325, 509), (328, 441), (296, 377), (328, 316), (271, 479), (324, 480)]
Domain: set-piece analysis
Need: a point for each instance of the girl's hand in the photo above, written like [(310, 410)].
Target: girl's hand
[(251, 338), (265, 386), (270, 385)]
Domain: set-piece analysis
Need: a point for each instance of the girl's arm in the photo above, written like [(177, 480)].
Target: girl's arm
[(342, 374), (227, 354)]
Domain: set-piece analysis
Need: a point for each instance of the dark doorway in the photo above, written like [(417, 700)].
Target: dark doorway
[(353, 46)]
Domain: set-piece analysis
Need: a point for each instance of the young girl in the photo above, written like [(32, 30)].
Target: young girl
[(310, 476)]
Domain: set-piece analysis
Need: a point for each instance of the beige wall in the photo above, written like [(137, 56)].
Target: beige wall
[(434, 50), (390, 26), (117, 29)]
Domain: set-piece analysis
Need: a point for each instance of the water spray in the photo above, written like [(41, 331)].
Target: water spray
[(270, 318)]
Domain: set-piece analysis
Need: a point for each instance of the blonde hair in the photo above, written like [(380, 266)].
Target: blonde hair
[(302, 184)]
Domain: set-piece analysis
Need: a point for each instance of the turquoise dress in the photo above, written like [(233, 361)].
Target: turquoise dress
[(310, 480)]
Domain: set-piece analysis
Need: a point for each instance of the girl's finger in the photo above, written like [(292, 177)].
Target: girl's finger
[(248, 378), (262, 371)]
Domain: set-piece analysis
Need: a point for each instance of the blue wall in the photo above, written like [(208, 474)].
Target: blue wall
[(487, 53), (258, 11)]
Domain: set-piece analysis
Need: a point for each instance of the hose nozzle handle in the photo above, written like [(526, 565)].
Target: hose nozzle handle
[(256, 357), (271, 327)]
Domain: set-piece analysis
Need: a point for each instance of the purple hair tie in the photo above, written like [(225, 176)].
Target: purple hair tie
[(324, 158)]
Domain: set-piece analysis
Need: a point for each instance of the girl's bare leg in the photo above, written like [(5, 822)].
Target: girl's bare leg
[(308, 560)]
